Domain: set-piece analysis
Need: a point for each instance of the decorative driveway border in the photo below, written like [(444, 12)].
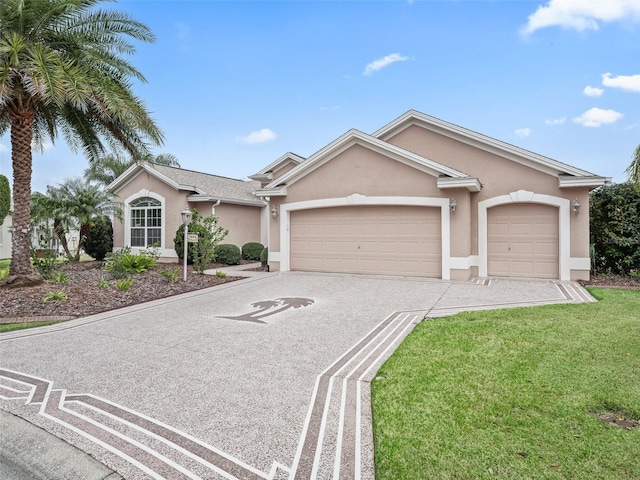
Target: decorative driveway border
[(336, 439)]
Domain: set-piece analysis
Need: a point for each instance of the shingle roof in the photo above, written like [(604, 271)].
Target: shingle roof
[(212, 185)]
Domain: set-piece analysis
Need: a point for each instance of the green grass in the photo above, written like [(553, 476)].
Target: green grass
[(5, 262), (513, 394), (9, 327)]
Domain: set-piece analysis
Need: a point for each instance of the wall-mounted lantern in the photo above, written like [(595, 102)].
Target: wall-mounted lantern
[(274, 211), (453, 205), (575, 205)]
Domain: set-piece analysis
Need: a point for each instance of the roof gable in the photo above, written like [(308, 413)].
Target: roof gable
[(489, 144), (355, 137), (284, 160)]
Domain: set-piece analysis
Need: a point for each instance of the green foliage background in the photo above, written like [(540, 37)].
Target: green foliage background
[(615, 228)]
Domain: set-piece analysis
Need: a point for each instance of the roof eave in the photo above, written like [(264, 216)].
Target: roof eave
[(565, 181), (470, 183)]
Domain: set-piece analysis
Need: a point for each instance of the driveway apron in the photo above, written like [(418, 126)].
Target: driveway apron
[(266, 377)]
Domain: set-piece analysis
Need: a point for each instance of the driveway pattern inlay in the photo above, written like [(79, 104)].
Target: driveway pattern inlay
[(198, 386)]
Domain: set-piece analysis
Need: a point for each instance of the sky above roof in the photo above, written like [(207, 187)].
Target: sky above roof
[(236, 84)]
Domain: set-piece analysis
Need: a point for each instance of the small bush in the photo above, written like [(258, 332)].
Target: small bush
[(104, 283), (228, 254), (122, 263), (171, 275), (4, 273), (221, 274), (252, 250), (55, 296), (59, 277), (124, 284), (45, 262), (202, 252), (99, 240), (264, 256)]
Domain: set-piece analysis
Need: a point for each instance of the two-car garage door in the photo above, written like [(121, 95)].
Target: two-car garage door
[(383, 240)]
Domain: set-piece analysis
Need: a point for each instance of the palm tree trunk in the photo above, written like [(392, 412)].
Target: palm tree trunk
[(21, 159)]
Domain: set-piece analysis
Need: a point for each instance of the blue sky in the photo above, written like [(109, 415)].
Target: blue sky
[(236, 84)]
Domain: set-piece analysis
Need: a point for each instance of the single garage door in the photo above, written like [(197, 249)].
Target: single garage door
[(385, 240), (523, 241)]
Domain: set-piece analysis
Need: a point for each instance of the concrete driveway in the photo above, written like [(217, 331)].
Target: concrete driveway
[(264, 378)]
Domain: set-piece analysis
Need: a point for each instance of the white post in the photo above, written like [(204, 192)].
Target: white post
[(186, 245)]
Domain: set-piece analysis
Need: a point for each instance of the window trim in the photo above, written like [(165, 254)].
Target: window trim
[(127, 217)]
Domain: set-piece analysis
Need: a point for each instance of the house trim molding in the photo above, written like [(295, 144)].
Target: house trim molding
[(164, 252)]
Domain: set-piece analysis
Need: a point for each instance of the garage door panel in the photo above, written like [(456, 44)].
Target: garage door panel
[(522, 241), (374, 240)]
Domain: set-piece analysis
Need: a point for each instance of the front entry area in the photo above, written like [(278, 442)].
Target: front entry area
[(522, 241), (382, 240)]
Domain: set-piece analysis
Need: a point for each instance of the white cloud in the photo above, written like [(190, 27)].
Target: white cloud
[(581, 15), (597, 117), (556, 121), (630, 83), (523, 132), (383, 62), (260, 136), (590, 91)]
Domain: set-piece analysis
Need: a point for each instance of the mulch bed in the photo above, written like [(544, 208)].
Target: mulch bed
[(86, 295)]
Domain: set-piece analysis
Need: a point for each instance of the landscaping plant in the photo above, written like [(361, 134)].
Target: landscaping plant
[(615, 228), (55, 296), (122, 263), (99, 240), (228, 254), (203, 252), (252, 251)]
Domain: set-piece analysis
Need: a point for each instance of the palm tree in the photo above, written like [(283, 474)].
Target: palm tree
[(106, 169), (634, 169), (71, 206), (62, 69)]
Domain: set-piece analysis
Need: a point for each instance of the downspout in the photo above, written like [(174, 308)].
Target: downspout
[(213, 207)]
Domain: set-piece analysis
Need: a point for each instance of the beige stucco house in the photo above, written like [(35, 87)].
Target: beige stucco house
[(419, 197), (428, 198)]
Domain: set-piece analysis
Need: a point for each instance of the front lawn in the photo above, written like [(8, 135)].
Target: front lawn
[(514, 394)]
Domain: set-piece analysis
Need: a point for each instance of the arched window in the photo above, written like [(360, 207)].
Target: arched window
[(146, 222)]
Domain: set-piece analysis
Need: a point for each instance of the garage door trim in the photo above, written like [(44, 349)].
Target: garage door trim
[(523, 196), (363, 200)]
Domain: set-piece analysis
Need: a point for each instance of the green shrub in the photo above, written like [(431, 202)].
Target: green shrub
[(201, 253), (221, 274), (99, 239), (122, 263), (44, 260), (55, 296), (59, 277), (264, 256), (124, 284), (615, 228), (228, 254), (5, 198), (171, 275), (252, 250)]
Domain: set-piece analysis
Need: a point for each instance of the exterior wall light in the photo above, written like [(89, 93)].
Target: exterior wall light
[(452, 205), (274, 211), (186, 220), (575, 205)]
